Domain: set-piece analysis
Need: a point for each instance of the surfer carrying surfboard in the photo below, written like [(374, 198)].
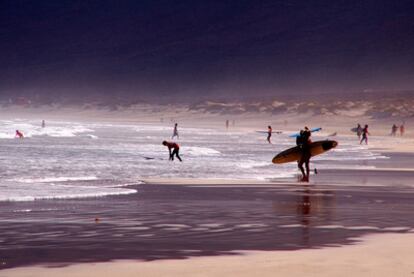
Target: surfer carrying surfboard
[(359, 131), (175, 147), (365, 134), (304, 141)]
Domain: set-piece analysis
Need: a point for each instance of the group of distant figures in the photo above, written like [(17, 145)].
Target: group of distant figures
[(363, 133), (395, 128), (174, 148)]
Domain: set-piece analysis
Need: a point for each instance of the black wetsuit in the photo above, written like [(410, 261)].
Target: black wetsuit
[(269, 134), (364, 135), (303, 142)]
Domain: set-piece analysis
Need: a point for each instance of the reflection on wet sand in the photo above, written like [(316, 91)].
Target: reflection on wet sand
[(165, 222), (312, 206)]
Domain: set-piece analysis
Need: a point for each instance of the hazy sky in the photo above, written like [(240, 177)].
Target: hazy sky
[(192, 48)]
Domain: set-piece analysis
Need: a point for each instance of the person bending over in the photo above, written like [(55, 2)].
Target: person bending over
[(19, 134), (175, 149)]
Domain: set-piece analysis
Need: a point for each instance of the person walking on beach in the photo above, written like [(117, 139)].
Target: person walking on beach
[(394, 129), (304, 141), (19, 134), (359, 131), (175, 147), (175, 132), (402, 129), (365, 134), (269, 133)]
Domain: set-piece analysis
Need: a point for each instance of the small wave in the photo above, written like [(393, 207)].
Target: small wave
[(91, 136), (292, 226), (362, 228), (23, 211), (123, 185), (252, 164), (54, 179), (66, 196), (397, 229), (349, 158), (200, 151), (330, 227)]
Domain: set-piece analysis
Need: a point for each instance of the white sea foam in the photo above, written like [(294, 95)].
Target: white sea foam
[(252, 164), (397, 228), (292, 226), (200, 151), (91, 136), (330, 227), (54, 179), (65, 159), (32, 129), (362, 228), (63, 194)]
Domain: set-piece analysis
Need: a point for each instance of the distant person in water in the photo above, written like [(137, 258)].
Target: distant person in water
[(269, 133), (394, 130), (402, 129), (43, 124), (175, 132), (175, 147), (227, 124), (359, 131), (365, 134), (19, 134), (304, 141)]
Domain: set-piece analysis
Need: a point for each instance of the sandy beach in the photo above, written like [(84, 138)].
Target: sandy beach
[(352, 218)]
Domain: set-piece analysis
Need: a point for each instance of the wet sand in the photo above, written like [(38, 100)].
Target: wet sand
[(376, 255)]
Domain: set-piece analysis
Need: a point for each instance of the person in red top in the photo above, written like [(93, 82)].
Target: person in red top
[(19, 134), (175, 147), (402, 129)]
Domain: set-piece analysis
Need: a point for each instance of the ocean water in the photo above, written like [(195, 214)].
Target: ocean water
[(74, 159)]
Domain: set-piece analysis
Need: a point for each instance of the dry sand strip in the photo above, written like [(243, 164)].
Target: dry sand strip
[(376, 255)]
